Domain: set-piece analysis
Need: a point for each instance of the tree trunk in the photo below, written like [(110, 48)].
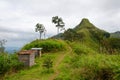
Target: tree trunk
[(58, 31), (44, 35), (40, 35)]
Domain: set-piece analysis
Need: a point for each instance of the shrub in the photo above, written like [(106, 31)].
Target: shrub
[(105, 74), (95, 67), (89, 73), (78, 50), (14, 62), (49, 45), (9, 62), (111, 45), (48, 64), (4, 64)]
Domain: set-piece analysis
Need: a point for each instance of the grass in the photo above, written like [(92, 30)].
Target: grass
[(90, 67), (79, 63), (48, 45), (37, 71), (87, 64)]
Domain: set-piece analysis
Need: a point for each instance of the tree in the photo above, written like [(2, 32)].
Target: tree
[(59, 23), (114, 44), (100, 36), (72, 35), (40, 28), (2, 43), (45, 33), (69, 34)]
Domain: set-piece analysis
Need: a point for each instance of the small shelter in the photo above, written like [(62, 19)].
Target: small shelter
[(37, 51), (27, 57)]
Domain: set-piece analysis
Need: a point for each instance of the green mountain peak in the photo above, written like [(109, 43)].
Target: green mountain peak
[(85, 23), (85, 20), (85, 30)]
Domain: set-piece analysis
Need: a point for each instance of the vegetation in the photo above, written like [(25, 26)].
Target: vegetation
[(8, 63), (86, 64), (72, 35), (59, 23), (48, 63), (111, 45), (83, 54), (38, 71), (48, 45)]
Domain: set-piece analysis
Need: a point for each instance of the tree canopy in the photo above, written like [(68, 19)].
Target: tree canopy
[(59, 23)]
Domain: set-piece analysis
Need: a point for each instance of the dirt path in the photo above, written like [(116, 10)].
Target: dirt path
[(60, 59)]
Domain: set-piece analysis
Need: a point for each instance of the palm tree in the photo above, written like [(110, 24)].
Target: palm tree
[(59, 23), (40, 28)]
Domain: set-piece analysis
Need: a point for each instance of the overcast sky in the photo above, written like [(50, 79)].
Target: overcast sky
[(19, 17)]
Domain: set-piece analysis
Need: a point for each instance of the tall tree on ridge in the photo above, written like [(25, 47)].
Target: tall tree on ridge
[(40, 28), (45, 33), (59, 23)]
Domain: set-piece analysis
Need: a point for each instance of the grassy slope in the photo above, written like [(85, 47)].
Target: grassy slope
[(70, 66), (37, 72), (87, 64)]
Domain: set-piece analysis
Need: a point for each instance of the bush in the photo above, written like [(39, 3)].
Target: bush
[(9, 62), (49, 45), (95, 67), (111, 45), (105, 74), (48, 64), (78, 50), (89, 73), (4, 64), (15, 64)]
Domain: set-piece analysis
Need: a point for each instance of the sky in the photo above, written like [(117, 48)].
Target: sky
[(19, 17)]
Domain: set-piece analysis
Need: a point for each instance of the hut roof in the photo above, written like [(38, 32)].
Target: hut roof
[(36, 48), (26, 52)]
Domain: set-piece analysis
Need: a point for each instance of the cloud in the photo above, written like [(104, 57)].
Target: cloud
[(19, 17)]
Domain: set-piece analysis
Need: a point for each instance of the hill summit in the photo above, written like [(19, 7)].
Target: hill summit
[(85, 23), (85, 30)]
